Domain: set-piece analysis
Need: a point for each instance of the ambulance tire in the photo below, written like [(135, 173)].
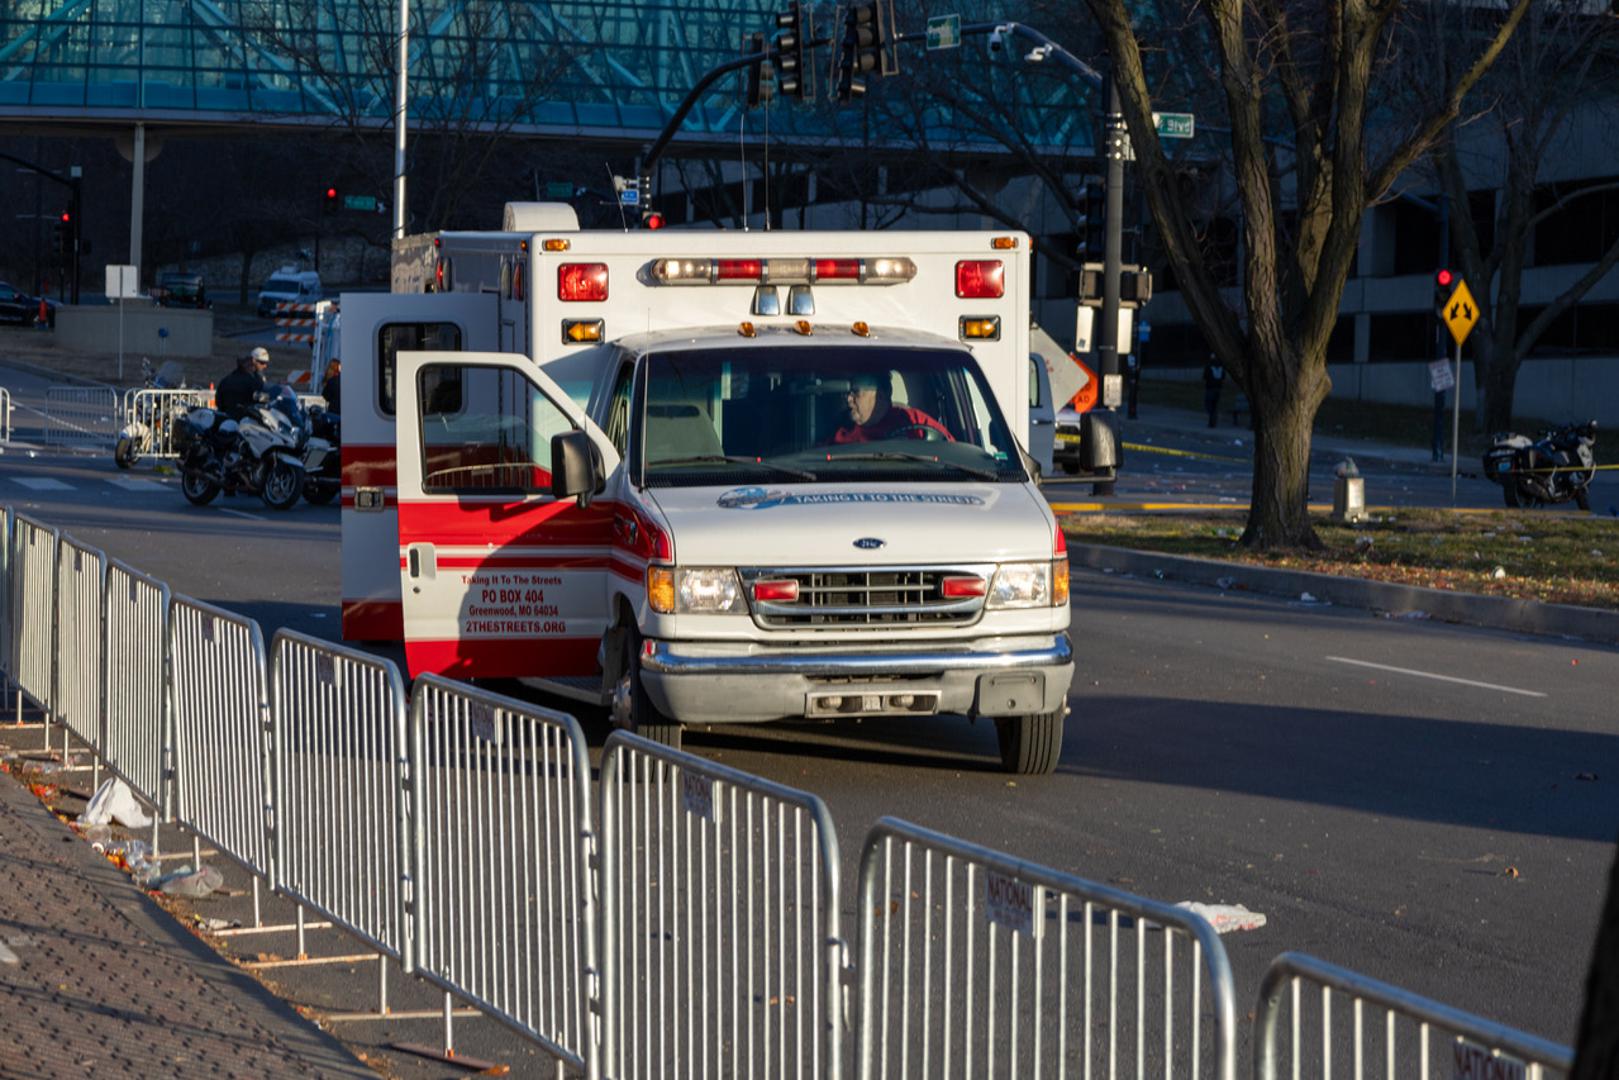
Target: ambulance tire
[(1030, 745), (633, 707)]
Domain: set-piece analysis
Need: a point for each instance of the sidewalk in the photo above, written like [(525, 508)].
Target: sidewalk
[(1158, 420), (96, 980)]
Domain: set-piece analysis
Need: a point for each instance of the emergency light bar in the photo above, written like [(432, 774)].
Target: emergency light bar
[(882, 271)]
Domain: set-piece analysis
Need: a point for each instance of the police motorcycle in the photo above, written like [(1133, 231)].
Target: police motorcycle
[(261, 453), (150, 419), (323, 456), (1556, 467)]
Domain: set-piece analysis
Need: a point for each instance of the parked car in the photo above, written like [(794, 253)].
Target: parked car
[(19, 307), (181, 290), (289, 285), (1066, 451)]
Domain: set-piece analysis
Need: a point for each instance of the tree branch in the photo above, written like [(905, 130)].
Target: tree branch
[(1570, 296)]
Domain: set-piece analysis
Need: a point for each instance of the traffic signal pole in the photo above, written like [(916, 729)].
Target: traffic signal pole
[(1115, 139), (74, 187)]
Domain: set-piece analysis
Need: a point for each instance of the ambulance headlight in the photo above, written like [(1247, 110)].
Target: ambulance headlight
[(1021, 585), (708, 591)]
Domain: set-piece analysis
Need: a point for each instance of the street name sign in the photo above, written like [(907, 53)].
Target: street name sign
[(944, 32), (366, 203), (1173, 125), (1461, 312)]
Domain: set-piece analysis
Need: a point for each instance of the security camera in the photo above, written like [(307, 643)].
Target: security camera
[(1038, 53), (997, 38)]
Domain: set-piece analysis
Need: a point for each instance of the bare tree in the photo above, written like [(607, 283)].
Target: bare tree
[(1296, 81), (1563, 57)]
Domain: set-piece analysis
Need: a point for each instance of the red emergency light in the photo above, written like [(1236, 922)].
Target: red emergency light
[(582, 281), (783, 271), (980, 279), (784, 591), (960, 588), (739, 269)]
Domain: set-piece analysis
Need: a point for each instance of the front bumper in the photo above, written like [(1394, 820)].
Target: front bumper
[(742, 683)]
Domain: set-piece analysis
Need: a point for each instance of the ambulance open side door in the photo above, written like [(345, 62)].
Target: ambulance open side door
[(500, 577)]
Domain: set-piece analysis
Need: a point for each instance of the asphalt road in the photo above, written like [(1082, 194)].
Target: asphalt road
[(1432, 827)]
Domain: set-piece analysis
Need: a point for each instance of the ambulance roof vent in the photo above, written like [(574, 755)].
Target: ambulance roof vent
[(531, 217)]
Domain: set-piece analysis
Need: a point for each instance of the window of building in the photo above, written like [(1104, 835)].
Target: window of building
[(1581, 229), (1404, 335)]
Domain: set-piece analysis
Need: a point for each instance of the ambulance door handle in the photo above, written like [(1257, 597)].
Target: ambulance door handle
[(423, 561)]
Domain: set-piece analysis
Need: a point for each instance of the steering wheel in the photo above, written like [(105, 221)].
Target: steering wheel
[(929, 433)]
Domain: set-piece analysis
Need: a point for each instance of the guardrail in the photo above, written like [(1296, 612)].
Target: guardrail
[(81, 579), (721, 952), (337, 750), (974, 961), (220, 710), (500, 868), (33, 588), (1478, 1047), (138, 737), (83, 416), (149, 413)]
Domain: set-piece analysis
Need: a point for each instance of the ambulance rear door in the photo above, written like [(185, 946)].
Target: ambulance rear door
[(376, 327), (499, 578)]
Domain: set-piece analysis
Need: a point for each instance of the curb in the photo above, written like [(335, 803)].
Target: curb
[(1496, 612)]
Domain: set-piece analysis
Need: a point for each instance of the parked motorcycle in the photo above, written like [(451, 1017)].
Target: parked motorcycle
[(262, 453), (323, 458), (152, 420), (1556, 467)]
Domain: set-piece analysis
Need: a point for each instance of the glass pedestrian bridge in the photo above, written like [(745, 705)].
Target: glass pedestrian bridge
[(611, 69)]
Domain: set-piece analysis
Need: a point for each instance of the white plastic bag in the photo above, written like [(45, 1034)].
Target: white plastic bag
[(113, 801), (1225, 917)]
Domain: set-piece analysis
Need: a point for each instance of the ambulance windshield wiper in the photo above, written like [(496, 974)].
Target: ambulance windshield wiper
[(900, 455), (736, 459)]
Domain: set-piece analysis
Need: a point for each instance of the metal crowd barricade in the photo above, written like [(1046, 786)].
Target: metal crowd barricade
[(221, 773), (976, 963), (7, 665), (33, 607), (5, 415), (137, 707), (721, 953), (81, 577), (1475, 1047), (337, 757), (154, 410), (84, 416), (503, 895)]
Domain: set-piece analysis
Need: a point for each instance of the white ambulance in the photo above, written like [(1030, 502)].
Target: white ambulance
[(710, 477)]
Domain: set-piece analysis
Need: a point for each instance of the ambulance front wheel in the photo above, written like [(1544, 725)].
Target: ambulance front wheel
[(1030, 745), (633, 710)]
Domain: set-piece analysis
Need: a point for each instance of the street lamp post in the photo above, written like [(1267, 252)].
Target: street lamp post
[(400, 98)]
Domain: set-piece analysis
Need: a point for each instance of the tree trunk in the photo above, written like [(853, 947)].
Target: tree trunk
[(1499, 380), (1278, 515), (1596, 1050)]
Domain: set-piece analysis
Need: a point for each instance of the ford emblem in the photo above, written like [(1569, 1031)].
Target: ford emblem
[(870, 543)]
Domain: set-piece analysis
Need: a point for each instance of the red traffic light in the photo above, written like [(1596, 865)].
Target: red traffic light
[(1444, 278), (67, 218), (331, 193), (654, 220)]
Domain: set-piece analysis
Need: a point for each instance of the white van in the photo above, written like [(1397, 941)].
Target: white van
[(289, 285), (641, 483)]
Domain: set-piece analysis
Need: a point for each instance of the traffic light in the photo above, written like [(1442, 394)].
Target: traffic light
[(794, 26), (62, 234), (1135, 286), (867, 46), (1444, 283), (761, 75), (329, 200), (1092, 211)]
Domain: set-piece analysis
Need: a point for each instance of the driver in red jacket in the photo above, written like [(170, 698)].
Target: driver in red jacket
[(873, 414)]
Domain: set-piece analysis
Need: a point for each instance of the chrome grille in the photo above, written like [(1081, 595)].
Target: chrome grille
[(861, 596)]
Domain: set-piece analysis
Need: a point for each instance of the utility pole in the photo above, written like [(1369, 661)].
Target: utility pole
[(1115, 143), (401, 101)]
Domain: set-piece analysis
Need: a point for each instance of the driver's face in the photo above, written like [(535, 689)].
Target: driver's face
[(862, 403)]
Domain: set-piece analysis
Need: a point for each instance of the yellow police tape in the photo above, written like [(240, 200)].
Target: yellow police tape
[(1152, 507), (1560, 468), (1147, 448)]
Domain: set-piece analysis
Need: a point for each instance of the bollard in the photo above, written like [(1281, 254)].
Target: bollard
[(1348, 493)]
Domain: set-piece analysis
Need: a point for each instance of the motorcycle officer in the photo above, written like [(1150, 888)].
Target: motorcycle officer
[(234, 396)]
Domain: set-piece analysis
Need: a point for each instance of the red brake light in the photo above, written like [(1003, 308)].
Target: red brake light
[(582, 281), (980, 279), (740, 270), (517, 282), (786, 590), (438, 275), (956, 588), (837, 269), (1062, 543)]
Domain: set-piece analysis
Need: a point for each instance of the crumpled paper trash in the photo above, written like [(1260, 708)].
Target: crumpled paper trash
[(1225, 918)]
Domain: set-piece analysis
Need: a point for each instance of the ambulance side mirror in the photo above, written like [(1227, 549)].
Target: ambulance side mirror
[(576, 467)]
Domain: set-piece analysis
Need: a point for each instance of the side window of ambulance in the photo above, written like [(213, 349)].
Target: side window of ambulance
[(395, 338), (486, 430), (618, 413)]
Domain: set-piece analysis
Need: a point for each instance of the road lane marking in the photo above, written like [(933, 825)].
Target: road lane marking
[(1441, 678), (241, 514), (134, 483), (42, 483)]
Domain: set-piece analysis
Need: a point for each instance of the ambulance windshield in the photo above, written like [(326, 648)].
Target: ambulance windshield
[(789, 415)]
